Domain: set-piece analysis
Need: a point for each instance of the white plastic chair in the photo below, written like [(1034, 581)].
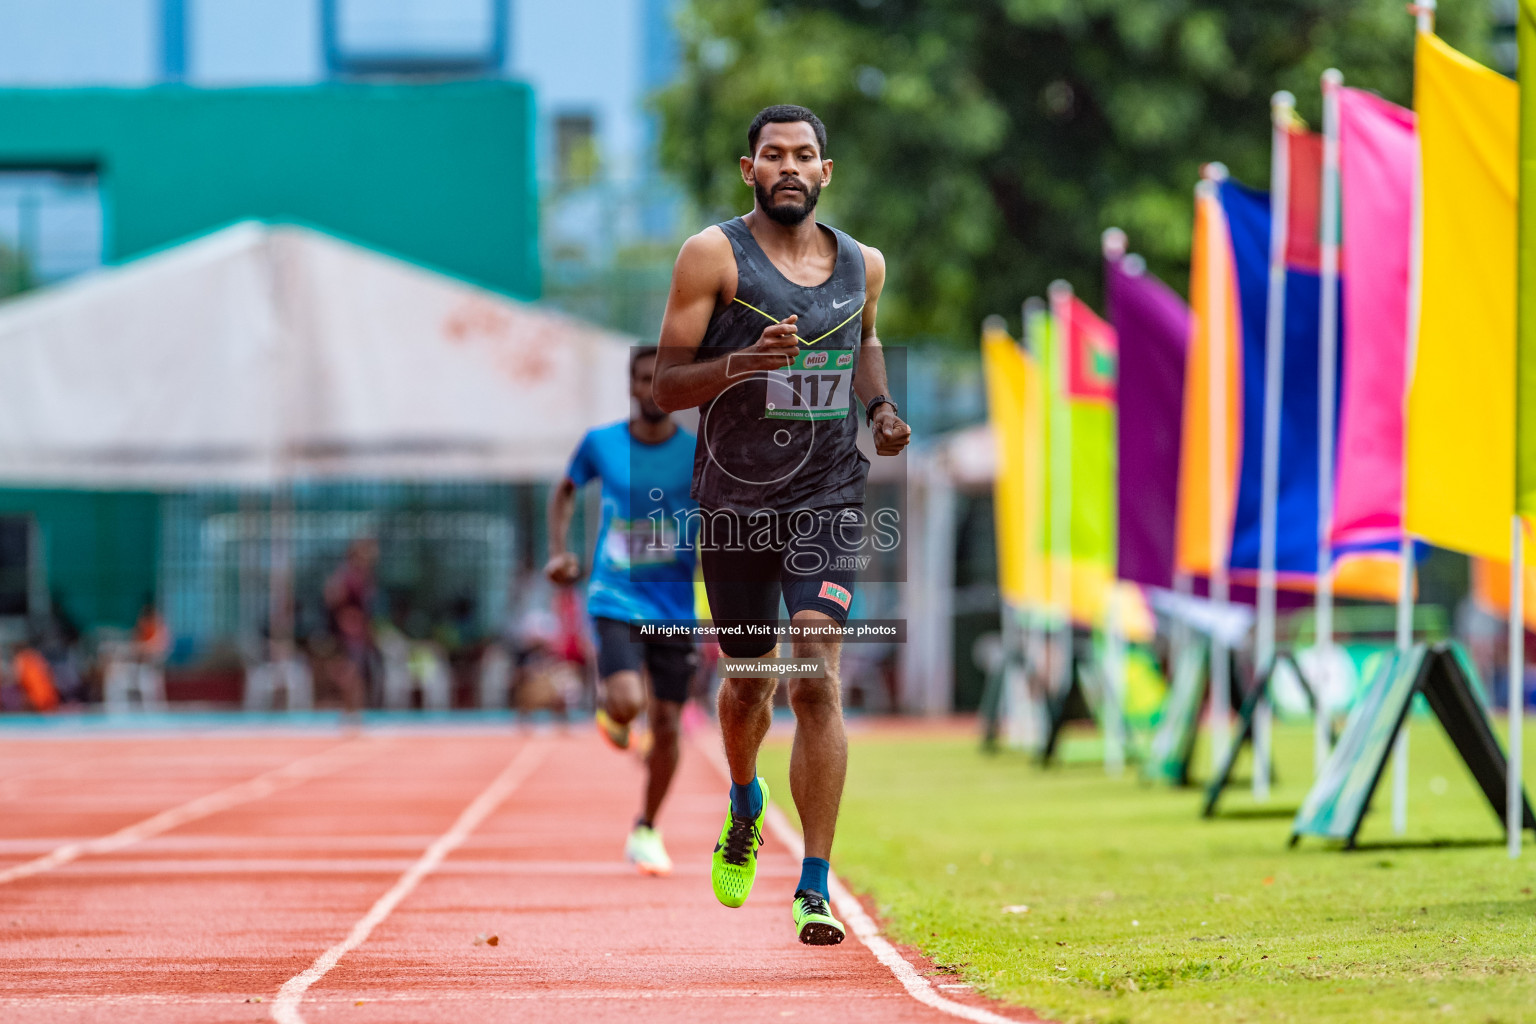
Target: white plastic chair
[(495, 677), (292, 675), (409, 667), (128, 676)]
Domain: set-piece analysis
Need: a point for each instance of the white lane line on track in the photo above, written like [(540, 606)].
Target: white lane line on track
[(188, 868), (848, 905), (285, 1010), (433, 997), (232, 844), (303, 770)]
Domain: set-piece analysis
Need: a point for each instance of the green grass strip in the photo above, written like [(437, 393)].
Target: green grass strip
[(1139, 911)]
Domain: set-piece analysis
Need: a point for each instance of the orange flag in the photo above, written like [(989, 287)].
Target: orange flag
[(1214, 355)]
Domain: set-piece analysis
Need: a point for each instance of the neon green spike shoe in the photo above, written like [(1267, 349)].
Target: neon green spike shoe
[(615, 733), (814, 921), (735, 864)]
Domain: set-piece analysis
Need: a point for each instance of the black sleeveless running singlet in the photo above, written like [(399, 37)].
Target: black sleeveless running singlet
[(787, 439)]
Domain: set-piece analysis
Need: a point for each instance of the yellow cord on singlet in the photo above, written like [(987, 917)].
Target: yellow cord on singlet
[(802, 340), (835, 329), (756, 310)]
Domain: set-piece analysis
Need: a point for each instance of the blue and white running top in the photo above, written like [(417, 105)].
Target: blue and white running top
[(643, 568)]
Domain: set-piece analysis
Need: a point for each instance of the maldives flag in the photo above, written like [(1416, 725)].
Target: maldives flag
[(1080, 439), (1093, 350), (1303, 244)]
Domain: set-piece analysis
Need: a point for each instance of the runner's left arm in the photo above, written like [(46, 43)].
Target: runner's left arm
[(891, 434)]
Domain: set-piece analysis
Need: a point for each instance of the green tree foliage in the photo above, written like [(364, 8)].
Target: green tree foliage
[(985, 144)]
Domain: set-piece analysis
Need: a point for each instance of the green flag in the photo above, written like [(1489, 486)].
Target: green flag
[(1078, 539)]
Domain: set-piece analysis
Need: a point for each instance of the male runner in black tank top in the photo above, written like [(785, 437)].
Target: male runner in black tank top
[(770, 330)]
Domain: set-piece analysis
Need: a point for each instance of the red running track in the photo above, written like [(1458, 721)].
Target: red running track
[(318, 878)]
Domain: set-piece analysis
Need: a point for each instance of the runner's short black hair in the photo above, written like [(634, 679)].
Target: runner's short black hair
[(638, 353), (784, 113)]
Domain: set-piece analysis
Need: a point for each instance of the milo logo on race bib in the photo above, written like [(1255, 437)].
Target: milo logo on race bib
[(811, 388)]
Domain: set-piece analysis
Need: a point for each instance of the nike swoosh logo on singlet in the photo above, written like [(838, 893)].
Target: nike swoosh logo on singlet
[(840, 305)]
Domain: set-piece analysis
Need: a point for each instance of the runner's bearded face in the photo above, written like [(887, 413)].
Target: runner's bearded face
[(787, 171)]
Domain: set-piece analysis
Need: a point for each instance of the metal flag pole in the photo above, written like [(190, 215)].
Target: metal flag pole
[(1404, 644), (1209, 190), (1513, 804), (1178, 630), (1327, 367), (1060, 296), (1424, 21), (1514, 789), (1036, 637), (1114, 684), (1282, 107)]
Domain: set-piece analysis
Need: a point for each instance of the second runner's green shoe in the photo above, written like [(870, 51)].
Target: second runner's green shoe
[(735, 864), (814, 921)]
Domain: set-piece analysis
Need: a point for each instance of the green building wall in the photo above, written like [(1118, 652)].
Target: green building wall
[(439, 174)]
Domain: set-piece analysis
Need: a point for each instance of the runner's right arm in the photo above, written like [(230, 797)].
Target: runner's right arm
[(563, 566), (699, 283)]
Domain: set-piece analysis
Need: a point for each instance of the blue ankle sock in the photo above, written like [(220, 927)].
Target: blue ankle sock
[(746, 800), (813, 875)]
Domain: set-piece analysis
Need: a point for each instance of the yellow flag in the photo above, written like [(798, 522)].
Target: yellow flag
[(1461, 402), (1015, 402)]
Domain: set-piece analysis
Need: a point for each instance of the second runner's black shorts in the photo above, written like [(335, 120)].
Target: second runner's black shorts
[(808, 556), (669, 663)]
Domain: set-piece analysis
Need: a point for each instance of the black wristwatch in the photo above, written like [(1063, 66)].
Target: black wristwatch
[(869, 409)]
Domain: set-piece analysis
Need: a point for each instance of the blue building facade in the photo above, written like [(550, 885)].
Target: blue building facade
[(592, 64)]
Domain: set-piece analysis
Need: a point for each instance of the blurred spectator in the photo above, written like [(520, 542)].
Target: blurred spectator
[(137, 668), (349, 597), (549, 644), (56, 641), (35, 679), (151, 636)]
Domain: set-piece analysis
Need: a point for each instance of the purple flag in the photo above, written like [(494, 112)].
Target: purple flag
[(1153, 324)]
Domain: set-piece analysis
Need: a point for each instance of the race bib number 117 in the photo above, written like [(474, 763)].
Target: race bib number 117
[(815, 387)]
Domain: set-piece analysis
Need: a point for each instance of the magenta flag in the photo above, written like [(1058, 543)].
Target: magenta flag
[(1153, 325), (1377, 156)]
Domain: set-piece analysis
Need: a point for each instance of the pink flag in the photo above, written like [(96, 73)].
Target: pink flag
[(1377, 156)]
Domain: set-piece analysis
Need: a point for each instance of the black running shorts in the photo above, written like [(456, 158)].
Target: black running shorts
[(670, 663), (809, 557)]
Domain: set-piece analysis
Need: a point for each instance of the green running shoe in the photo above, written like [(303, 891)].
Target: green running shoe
[(814, 921), (615, 733), (735, 864), (645, 850)]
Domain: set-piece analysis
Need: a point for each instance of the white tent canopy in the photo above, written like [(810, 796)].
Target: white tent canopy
[(260, 353)]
